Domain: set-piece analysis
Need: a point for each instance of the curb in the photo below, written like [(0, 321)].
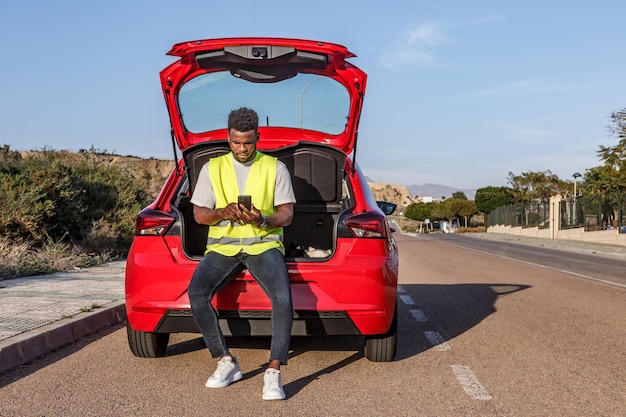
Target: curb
[(23, 348)]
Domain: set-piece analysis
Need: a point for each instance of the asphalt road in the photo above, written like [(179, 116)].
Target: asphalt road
[(584, 262), (481, 334)]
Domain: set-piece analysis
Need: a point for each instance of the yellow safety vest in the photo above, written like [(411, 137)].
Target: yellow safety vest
[(229, 238)]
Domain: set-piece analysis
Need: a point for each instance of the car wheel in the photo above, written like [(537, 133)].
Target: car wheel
[(382, 347), (147, 345)]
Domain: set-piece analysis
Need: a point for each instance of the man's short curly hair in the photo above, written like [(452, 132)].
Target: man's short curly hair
[(243, 119)]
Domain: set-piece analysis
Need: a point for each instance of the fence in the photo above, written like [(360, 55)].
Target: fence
[(533, 214), (594, 212)]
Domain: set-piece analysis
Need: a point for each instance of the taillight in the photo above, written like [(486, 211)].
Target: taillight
[(152, 223), (367, 225)]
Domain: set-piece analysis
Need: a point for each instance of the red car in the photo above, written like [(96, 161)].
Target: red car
[(341, 256)]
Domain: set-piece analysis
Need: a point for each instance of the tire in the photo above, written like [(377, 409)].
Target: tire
[(147, 345), (382, 347)]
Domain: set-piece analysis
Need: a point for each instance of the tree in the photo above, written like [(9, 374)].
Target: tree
[(612, 175), (600, 180), (531, 186), (615, 156), (419, 211), (490, 198), (609, 180), (443, 210), (460, 195), (461, 208), (453, 208)]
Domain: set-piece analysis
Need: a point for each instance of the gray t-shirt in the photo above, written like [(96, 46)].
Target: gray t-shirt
[(204, 196)]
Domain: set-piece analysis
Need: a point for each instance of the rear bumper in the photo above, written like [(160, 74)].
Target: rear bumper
[(257, 323)]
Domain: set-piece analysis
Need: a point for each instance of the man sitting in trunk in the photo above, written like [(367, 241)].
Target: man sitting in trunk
[(241, 237)]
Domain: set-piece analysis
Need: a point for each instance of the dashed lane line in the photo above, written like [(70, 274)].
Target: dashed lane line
[(468, 380), (419, 315), (436, 340), (406, 299), (470, 383)]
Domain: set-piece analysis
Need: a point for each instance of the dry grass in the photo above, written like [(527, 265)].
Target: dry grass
[(21, 259)]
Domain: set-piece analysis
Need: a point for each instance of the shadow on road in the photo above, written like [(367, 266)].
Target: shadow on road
[(450, 310)]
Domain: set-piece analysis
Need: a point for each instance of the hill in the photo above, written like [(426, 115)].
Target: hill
[(392, 193)]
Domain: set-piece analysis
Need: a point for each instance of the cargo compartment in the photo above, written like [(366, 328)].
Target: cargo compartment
[(317, 175)]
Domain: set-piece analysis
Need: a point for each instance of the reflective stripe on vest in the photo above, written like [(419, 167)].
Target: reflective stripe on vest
[(230, 238), (241, 241)]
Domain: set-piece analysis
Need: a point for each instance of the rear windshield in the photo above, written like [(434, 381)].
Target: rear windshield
[(306, 101)]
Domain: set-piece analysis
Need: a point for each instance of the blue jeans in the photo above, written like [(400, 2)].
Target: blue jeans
[(215, 271)]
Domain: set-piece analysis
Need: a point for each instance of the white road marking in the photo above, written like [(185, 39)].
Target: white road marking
[(406, 299), (470, 383), (591, 278), (437, 340), (400, 289), (419, 315)]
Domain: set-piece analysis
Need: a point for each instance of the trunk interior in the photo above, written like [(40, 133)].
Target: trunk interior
[(317, 175)]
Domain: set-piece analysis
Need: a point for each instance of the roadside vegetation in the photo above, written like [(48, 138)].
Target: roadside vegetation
[(601, 181), (62, 210)]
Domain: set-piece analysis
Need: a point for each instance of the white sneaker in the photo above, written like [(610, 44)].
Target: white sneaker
[(227, 372), (272, 387)]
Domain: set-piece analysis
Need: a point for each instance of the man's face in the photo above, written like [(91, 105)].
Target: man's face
[(243, 144)]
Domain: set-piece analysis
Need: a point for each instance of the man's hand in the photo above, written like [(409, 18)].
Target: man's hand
[(253, 215), (205, 215), (238, 213)]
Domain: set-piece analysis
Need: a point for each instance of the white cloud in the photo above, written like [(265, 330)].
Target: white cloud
[(427, 34), (416, 46), (413, 47)]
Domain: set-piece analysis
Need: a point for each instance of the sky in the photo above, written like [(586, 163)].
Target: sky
[(459, 93)]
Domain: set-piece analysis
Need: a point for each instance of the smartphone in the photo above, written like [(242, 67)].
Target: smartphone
[(245, 200)]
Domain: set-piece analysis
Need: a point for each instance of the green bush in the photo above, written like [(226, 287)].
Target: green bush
[(42, 197), (420, 211), (72, 198)]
